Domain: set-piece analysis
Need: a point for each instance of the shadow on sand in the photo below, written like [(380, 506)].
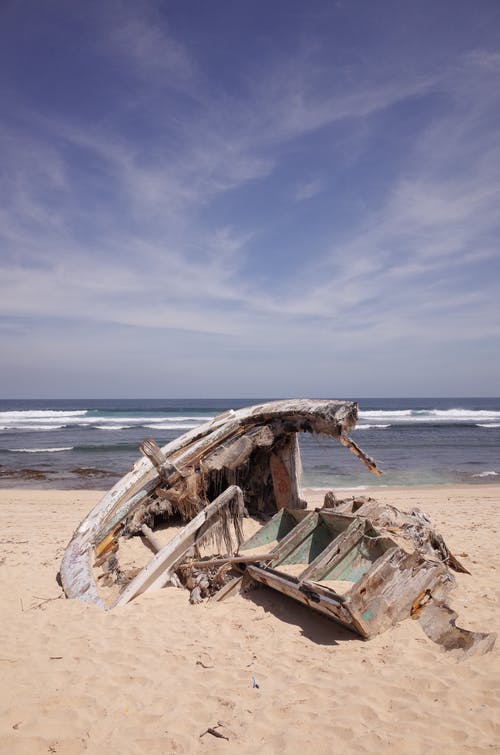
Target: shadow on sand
[(313, 625)]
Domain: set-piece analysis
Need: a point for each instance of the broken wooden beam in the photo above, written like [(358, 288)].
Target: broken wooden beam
[(152, 451), (156, 573), (357, 451), (210, 562)]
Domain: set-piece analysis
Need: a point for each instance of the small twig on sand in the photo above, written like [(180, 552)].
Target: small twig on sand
[(213, 731), (203, 665), (44, 600)]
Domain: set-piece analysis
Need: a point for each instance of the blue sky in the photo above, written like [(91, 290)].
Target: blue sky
[(249, 198)]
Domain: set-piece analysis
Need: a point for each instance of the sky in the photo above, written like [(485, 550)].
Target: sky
[(242, 199)]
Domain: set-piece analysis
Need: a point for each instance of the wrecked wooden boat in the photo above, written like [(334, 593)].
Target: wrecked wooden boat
[(254, 448), (363, 564)]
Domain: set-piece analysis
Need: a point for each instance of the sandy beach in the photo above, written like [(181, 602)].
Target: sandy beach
[(155, 675)]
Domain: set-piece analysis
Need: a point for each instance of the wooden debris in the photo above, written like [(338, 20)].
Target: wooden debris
[(182, 478), (155, 575), (223, 560), (361, 563), (388, 565), (213, 731), (438, 622)]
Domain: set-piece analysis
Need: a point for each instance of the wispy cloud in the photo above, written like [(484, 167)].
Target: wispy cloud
[(164, 212), (308, 190)]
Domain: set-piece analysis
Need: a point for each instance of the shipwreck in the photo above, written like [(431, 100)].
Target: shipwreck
[(177, 519)]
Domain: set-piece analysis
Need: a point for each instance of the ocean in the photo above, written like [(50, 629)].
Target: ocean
[(87, 443)]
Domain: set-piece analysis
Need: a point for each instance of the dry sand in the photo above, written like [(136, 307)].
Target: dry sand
[(153, 676)]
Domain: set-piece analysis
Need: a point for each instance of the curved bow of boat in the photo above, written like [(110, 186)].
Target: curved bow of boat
[(227, 440)]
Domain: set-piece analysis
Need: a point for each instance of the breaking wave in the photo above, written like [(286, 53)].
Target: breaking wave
[(436, 416), (41, 414), (34, 428), (58, 419), (372, 427), (170, 426), (112, 427), (39, 450)]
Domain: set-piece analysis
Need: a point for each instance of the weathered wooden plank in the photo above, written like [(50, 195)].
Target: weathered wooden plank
[(354, 564), (438, 622), (282, 483), (210, 562), (284, 472), (336, 551), (112, 522), (296, 536), (152, 451), (233, 587), (237, 450), (275, 529), (310, 547), (386, 593), (357, 451), (336, 523)]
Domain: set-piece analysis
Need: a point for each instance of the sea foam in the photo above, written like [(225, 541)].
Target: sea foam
[(34, 428), (39, 450), (437, 416), (170, 426), (40, 414), (112, 427), (372, 427)]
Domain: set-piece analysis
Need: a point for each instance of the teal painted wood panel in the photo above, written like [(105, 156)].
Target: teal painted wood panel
[(312, 545), (354, 564), (276, 529), (336, 523)]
